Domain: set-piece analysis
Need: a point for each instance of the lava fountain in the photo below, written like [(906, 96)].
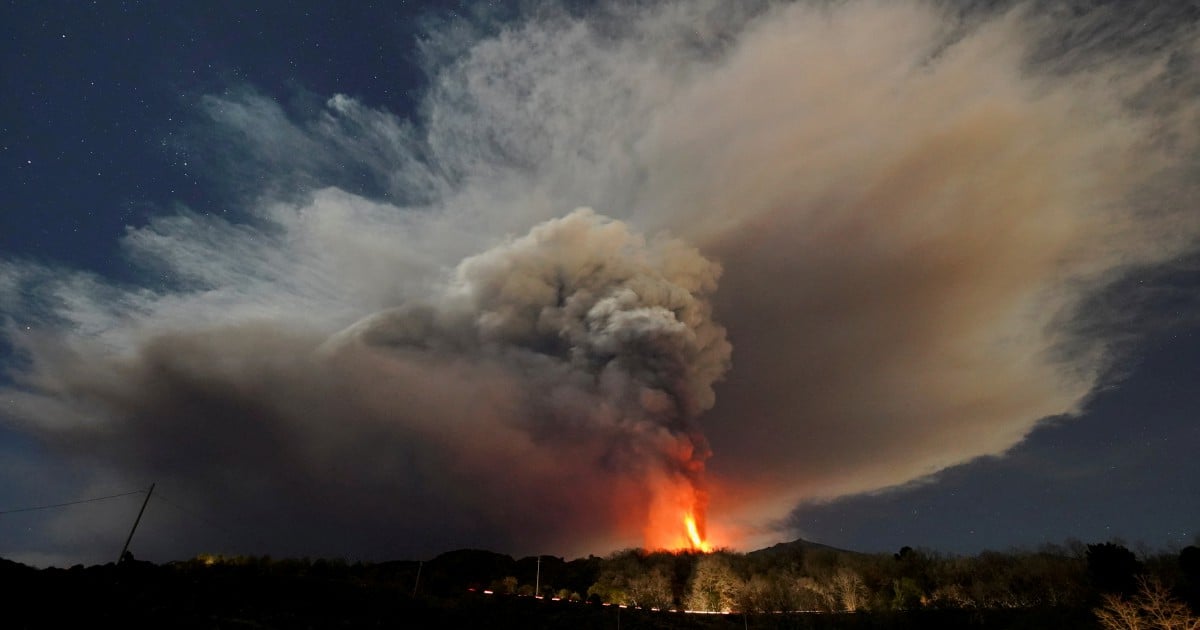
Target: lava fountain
[(677, 516), (697, 541)]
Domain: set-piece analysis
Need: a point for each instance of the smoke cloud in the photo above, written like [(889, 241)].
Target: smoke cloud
[(835, 247)]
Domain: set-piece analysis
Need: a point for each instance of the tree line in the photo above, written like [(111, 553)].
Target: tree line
[(807, 577), (798, 576), (1106, 585)]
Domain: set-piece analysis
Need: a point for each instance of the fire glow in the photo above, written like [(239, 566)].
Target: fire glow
[(677, 516), (697, 541)]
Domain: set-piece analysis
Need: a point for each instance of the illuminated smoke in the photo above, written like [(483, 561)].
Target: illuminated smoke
[(610, 335), (560, 372)]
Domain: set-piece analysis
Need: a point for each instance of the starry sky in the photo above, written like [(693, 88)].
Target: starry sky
[(938, 266)]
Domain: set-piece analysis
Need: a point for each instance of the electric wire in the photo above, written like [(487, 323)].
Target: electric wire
[(58, 505), (158, 495)]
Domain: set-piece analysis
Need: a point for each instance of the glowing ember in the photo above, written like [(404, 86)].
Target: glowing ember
[(698, 543)]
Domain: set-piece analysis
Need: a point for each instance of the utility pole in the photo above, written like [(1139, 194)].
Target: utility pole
[(420, 563), (537, 581), (135, 524)]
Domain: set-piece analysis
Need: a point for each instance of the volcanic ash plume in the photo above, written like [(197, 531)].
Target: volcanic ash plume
[(610, 333), (541, 396)]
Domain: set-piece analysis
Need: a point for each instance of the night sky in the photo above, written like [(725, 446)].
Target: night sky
[(875, 275)]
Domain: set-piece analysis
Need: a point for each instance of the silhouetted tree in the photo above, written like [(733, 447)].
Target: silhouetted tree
[(1189, 562), (1112, 568), (1189, 568)]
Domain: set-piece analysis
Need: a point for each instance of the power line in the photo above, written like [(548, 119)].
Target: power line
[(193, 513), (58, 505)]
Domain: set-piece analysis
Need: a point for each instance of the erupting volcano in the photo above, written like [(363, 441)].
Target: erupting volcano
[(618, 329)]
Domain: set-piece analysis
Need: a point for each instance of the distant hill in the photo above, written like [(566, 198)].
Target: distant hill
[(796, 547)]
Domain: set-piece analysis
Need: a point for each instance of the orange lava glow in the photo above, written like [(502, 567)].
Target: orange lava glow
[(698, 543), (677, 516)]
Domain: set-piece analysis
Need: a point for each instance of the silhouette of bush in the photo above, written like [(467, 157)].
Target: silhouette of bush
[(1112, 568)]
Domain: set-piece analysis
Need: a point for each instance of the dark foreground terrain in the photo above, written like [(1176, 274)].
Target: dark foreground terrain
[(325, 595)]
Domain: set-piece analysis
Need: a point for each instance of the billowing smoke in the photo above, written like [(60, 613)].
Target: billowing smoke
[(907, 207), (608, 339), (561, 372)]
